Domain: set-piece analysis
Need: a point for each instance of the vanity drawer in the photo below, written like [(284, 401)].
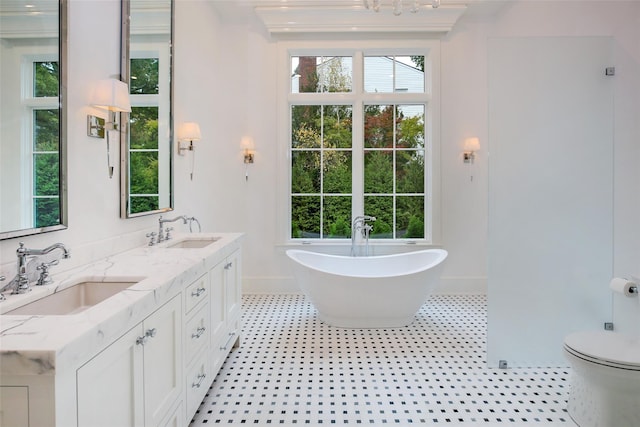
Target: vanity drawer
[(198, 380), (196, 292), (221, 348), (197, 332)]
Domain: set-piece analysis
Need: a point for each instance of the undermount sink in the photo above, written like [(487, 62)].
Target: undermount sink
[(193, 242), (74, 299)]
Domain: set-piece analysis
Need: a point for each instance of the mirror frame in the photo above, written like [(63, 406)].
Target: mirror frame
[(125, 66), (62, 132)]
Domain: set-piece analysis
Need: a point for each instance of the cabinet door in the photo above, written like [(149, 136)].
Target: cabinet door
[(175, 418), (110, 385), (162, 361), (217, 276), (232, 286), (14, 406)]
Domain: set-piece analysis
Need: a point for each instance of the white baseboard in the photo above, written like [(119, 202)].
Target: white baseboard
[(287, 285), (453, 285), (270, 285)]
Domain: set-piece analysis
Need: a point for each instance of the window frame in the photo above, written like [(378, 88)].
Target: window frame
[(32, 103), (145, 49), (358, 98)]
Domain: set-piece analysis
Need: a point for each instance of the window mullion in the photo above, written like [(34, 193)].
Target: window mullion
[(322, 148), (357, 181)]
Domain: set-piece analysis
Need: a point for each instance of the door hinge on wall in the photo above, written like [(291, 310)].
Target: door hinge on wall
[(608, 326), (610, 71)]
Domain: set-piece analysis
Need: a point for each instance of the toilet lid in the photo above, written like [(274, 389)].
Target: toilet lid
[(610, 348)]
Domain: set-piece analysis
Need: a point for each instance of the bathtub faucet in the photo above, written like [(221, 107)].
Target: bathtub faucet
[(360, 225)]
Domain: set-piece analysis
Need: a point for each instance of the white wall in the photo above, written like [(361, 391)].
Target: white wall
[(95, 228), (225, 79)]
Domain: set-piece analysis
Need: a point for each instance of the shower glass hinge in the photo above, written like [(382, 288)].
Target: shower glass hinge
[(610, 71), (502, 364), (608, 326)]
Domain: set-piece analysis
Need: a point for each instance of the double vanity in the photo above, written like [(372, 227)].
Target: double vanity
[(134, 339)]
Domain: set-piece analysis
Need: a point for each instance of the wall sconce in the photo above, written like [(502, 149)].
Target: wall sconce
[(471, 145), (247, 144), (111, 95), (188, 132)]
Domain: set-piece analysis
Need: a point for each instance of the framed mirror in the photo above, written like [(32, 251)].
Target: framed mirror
[(147, 132), (33, 43)]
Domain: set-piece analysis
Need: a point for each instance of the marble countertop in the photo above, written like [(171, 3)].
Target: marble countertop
[(47, 345)]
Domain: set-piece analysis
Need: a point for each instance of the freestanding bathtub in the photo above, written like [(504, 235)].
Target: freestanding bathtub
[(367, 292)]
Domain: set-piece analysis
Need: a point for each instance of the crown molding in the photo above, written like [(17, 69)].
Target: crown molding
[(356, 19)]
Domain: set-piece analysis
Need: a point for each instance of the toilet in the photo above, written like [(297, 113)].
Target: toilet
[(605, 380)]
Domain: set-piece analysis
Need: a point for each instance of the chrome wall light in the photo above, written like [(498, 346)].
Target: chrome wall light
[(249, 154), (111, 95), (187, 133), (471, 145)]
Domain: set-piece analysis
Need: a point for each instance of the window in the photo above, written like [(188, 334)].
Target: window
[(394, 170), (360, 132), (44, 121), (143, 138), (321, 175)]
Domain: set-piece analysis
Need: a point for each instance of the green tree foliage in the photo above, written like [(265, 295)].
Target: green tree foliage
[(415, 228), (337, 216), (378, 172), (305, 214), (47, 212), (340, 228), (144, 76), (46, 79), (333, 77), (143, 159), (46, 155), (305, 172), (380, 207), (378, 126), (419, 61)]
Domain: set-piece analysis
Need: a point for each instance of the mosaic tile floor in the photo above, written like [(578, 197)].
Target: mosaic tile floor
[(293, 369)]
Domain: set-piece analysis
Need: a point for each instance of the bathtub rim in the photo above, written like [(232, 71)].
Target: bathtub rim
[(442, 256)]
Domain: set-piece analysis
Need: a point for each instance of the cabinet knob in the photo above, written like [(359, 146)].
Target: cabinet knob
[(142, 340), (150, 333)]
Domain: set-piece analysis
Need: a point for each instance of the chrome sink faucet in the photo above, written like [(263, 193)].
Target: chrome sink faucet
[(20, 283), (164, 234)]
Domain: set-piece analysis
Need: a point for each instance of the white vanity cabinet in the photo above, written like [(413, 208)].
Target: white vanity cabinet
[(144, 357), (136, 380)]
